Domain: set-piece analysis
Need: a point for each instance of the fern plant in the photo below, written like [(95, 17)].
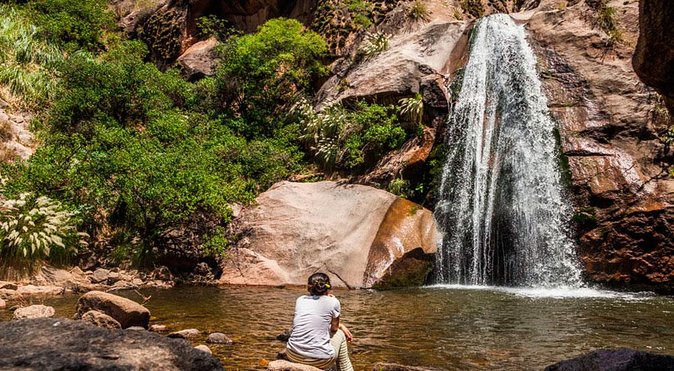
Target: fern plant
[(374, 44), (32, 229)]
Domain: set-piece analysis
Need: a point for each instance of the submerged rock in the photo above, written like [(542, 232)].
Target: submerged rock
[(60, 344), (34, 311), (621, 359), (358, 234), (185, 334), (127, 312), (219, 338), (158, 328)]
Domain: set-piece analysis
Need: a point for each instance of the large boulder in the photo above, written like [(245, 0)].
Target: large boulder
[(60, 344), (34, 311), (654, 55), (621, 359), (359, 235), (199, 59), (127, 312)]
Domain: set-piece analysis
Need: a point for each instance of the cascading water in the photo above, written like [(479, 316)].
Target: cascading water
[(502, 206)]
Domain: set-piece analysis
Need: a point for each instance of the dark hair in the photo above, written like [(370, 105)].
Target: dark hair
[(319, 284)]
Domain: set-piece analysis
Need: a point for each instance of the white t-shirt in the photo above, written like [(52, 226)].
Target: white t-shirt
[(310, 335)]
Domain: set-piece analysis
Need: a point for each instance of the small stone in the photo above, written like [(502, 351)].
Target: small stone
[(100, 275), (2, 303), (219, 338), (99, 319), (204, 348), (34, 311), (113, 277), (185, 334), (158, 328), (135, 328), (77, 271), (137, 282), (40, 290)]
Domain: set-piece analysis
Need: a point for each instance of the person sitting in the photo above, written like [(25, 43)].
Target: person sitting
[(317, 338)]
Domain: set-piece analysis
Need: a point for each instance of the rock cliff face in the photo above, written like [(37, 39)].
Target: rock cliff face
[(360, 235), (654, 56), (611, 124), (610, 135)]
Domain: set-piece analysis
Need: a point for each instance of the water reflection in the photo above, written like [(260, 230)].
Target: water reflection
[(448, 328)]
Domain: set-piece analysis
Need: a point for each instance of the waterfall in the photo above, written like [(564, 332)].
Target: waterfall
[(503, 209)]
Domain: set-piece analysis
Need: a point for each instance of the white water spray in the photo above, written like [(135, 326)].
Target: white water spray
[(502, 206)]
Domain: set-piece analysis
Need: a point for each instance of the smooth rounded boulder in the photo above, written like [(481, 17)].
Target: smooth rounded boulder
[(125, 311), (360, 235)]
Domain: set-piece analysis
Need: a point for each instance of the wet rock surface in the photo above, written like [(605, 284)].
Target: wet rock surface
[(127, 312), (343, 229), (67, 344), (615, 360), (611, 141)]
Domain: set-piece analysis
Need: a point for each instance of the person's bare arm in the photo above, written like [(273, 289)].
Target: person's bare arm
[(334, 325)]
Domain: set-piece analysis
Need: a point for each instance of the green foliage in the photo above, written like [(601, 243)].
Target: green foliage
[(669, 137), (26, 60), (606, 19), (413, 107), (212, 26), (374, 44), (472, 7), (34, 228), (399, 187), (360, 11), (73, 24), (418, 11), (350, 139), (262, 72)]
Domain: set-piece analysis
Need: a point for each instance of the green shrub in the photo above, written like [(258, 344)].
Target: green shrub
[(262, 72), (418, 11), (26, 61), (73, 24), (351, 139)]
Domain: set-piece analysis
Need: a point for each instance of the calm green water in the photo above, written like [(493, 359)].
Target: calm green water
[(446, 327)]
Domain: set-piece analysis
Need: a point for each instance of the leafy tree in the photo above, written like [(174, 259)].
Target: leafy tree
[(262, 72)]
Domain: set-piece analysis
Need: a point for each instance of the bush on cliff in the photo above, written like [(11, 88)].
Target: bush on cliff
[(262, 73)]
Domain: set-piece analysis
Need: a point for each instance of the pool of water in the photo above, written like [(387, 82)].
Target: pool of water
[(448, 327)]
